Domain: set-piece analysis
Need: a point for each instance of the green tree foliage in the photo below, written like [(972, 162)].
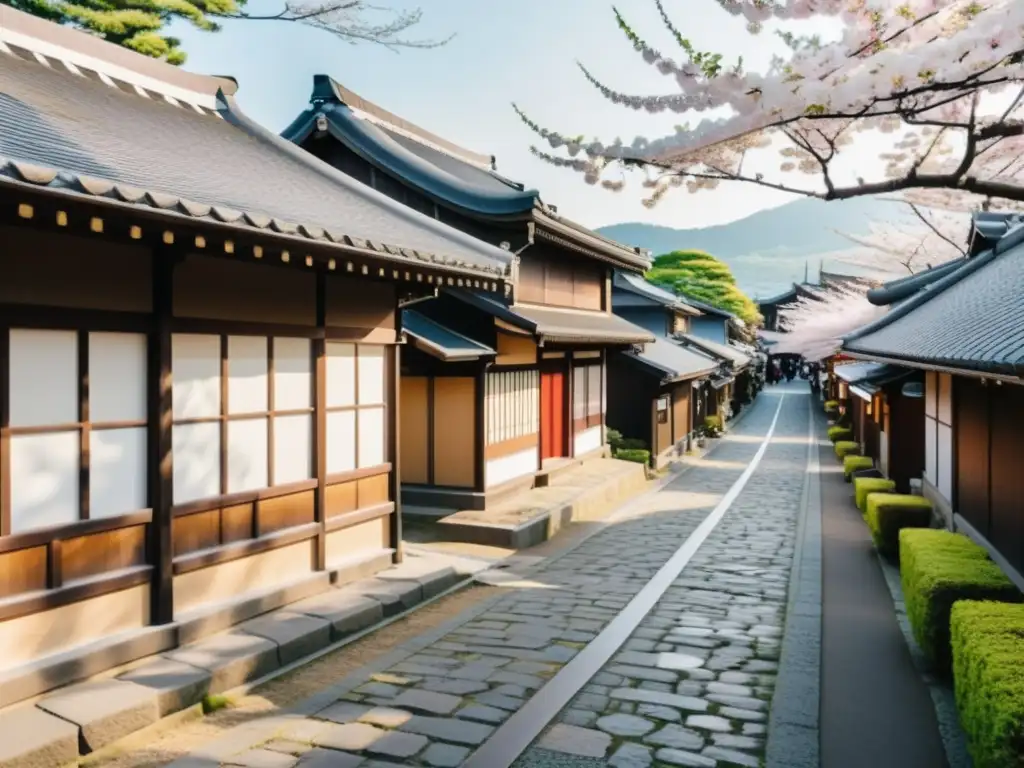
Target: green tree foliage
[(701, 276), (139, 24)]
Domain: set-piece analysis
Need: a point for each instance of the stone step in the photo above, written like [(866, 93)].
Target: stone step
[(82, 718)]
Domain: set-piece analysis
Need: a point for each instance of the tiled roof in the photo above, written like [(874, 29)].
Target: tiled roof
[(439, 341), (638, 285), (673, 361), (733, 356), (972, 318), (83, 133), (442, 170), (897, 290), (559, 325)]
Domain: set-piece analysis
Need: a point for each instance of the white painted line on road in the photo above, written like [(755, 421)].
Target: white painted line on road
[(520, 730)]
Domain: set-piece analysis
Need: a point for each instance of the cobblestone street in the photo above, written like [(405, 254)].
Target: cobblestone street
[(690, 686)]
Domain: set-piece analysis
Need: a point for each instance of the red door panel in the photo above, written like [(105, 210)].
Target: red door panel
[(552, 415)]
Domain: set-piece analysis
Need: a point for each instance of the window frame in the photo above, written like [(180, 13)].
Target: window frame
[(84, 426)]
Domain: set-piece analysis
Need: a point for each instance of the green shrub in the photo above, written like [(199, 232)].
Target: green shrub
[(614, 438), (638, 455), (846, 448), (831, 406), (632, 444), (852, 463), (835, 434), (862, 486), (988, 645), (937, 568), (713, 422), (889, 513)]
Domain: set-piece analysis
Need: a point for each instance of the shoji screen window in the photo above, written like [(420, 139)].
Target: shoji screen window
[(588, 398), (77, 426), (356, 403), (243, 414)]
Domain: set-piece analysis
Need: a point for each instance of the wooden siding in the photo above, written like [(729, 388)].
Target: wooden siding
[(415, 432), (515, 350), (160, 554), (454, 445), (989, 485), (549, 277)]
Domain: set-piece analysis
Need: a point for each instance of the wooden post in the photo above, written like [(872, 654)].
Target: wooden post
[(160, 464), (320, 421), (394, 455), (481, 427)]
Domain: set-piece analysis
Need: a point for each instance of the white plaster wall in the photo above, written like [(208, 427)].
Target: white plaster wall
[(505, 468), (586, 441)]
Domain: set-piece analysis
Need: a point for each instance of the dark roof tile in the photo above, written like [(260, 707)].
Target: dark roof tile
[(108, 142)]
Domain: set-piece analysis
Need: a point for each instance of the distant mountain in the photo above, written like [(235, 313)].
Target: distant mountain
[(768, 250)]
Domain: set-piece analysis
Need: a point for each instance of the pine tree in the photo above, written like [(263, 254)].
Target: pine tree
[(139, 24)]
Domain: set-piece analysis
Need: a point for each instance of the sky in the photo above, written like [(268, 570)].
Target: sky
[(503, 51)]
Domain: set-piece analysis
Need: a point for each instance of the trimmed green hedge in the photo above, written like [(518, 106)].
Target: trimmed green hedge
[(713, 422), (862, 486), (988, 646), (889, 513), (852, 463), (937, 568), (831, 405), (639, 455), (837, 433), (846, 448)]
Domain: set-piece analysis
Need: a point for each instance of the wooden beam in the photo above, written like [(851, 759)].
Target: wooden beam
[(5, 438), (393, 389), (160, 456), (83, 419), (320, 424)]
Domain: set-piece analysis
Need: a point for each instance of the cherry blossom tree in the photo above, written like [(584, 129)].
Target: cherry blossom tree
[(920, 238), (814, 328), (941, 80)]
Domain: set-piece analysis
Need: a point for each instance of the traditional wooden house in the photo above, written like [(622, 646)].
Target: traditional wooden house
[(499, 389), (886, 415), (963, 333), (198, 356), (712, 333), (655, 390)]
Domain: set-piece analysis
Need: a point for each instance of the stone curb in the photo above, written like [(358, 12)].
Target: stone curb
[(248, 735), (793, 725), (82, 718)]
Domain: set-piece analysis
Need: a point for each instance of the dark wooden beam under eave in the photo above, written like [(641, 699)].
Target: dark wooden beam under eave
[(160, 456), (394, 454), (320, 424)]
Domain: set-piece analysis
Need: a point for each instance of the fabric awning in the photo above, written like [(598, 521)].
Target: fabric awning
[(440, 342)]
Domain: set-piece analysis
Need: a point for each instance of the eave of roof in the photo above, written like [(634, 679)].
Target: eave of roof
[(673, 362), (788, 295), (470, 188), (734, 357), (442, 342), (102, 163), (897, 290), (641, 287), (558, 325), (984, 340)]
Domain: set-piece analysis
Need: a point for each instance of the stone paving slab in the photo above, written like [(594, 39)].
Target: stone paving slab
[(295, 634), (32, 738), (177, 685), (93, 714), (103, 710), (457, 685), (693, 684)]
